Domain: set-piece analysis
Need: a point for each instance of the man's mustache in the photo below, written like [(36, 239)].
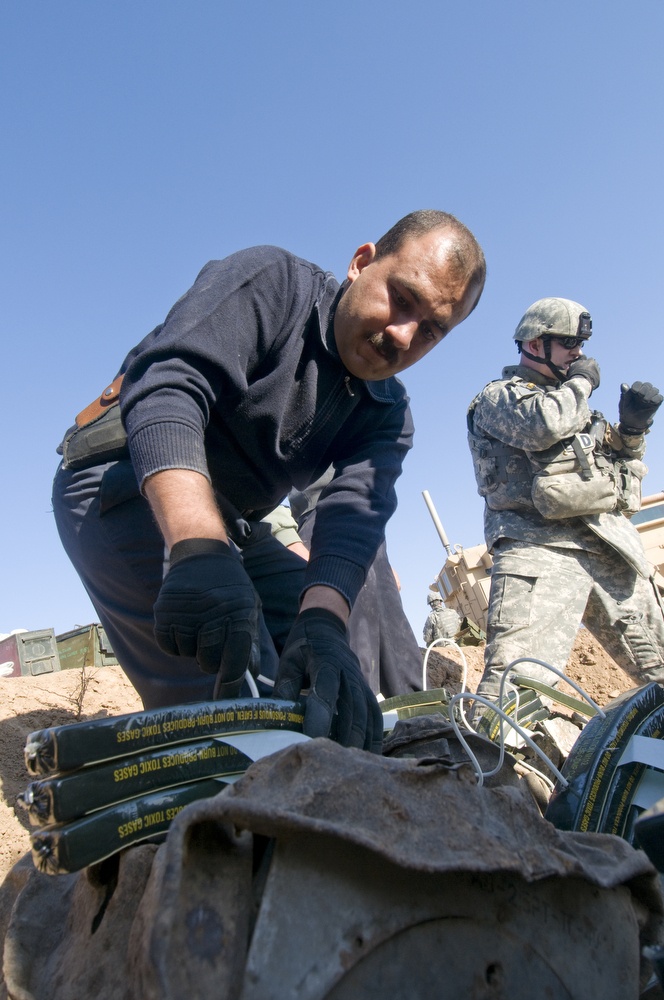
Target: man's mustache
[(384, 346)]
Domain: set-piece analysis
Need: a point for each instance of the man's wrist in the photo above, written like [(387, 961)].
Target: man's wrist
[(322, 615), (320, 596), (188, 547), (582, 380), (630, 431), (184, 506)]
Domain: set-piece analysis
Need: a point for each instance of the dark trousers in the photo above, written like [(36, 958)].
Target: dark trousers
[(111, 537), (378, 631)]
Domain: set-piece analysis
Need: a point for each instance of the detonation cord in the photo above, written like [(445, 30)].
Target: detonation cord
[(481, 775), (559, 673), (464, 676), (464, 695), (252, 684), (255, 693)]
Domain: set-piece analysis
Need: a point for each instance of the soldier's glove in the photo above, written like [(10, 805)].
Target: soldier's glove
[(207, 608), (584, 368), (317, 655), (637, 407)]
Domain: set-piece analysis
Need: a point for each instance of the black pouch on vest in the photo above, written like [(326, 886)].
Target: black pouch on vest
[(103, 439)]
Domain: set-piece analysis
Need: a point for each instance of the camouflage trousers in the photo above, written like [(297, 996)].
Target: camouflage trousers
[(539, 597)]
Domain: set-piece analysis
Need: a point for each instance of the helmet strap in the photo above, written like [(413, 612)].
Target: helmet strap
[(558, 373)]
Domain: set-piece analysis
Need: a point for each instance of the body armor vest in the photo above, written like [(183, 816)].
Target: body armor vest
[(580, 475)]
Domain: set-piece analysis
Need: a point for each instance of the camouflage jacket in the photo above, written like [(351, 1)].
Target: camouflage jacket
[(526, 413), (443, 623)]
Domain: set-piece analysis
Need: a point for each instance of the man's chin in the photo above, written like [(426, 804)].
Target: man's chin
[(381, 366), (374, 372)]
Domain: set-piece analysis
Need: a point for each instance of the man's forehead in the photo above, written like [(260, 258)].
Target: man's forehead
[(432, 274), (436, 243)]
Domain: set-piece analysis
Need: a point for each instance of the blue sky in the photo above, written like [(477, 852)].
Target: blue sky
[(141, 139)]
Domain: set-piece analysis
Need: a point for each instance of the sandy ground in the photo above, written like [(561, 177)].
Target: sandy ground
[(31, 703), (589, 666)]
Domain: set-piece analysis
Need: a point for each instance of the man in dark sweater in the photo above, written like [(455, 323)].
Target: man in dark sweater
[(263, 374), (378, 630)]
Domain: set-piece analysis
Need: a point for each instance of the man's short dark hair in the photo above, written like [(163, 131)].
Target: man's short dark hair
[(464, 246)]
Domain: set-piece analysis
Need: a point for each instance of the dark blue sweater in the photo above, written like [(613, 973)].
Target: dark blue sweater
[(243, 383)]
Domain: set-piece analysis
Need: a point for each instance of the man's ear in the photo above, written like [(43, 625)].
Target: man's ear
[(362, 256), (535, 345)]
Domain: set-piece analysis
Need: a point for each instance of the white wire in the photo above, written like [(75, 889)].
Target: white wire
[(540, 774), (504, 680), (252, 684), (481, 775), (464, 671), (464, 695), (504, 718), (560, 673), (447, 642)]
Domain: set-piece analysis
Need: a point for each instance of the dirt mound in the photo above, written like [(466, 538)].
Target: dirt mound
[(589, 666), (31, 703)]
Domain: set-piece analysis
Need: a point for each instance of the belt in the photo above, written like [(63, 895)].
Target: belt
[(98, 434)]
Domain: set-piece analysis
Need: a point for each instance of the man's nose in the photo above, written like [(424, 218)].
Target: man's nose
[(401, 333)]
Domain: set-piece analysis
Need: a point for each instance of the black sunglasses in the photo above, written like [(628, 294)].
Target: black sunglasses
[(570, 342)]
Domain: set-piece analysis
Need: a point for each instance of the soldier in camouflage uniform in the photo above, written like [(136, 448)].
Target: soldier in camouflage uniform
[(560, 484), (442, 622)]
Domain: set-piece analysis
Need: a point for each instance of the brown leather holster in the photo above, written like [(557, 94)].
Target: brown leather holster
[(98, 434), (109, 397)]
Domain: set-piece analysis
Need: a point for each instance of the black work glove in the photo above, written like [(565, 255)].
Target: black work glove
[(207, 608), (637, 407), (317, 653), (584, 368)]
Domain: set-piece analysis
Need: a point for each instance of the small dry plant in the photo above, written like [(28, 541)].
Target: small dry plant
[(77, 694)]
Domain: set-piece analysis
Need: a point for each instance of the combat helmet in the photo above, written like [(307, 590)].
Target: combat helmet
[(553, 317), (434, 597)]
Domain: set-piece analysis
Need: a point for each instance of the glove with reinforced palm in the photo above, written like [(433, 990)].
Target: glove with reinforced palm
[(637, 407), (317, 653), (207, 608), (584, 368)]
